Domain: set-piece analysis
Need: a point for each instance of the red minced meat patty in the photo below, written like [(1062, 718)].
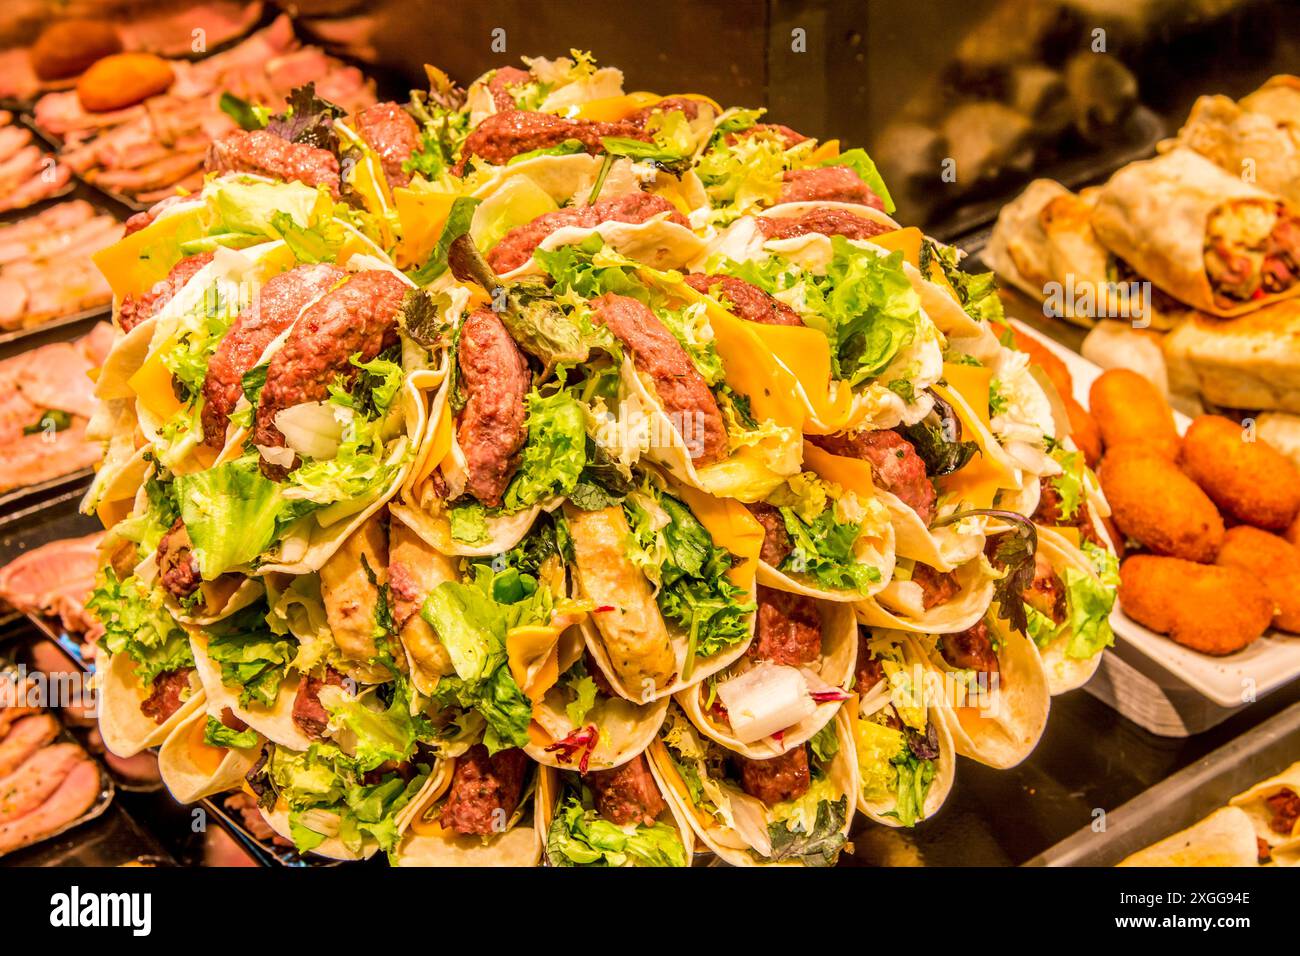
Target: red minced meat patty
[(266, 154), (681, 389), (745, 299), (359, 316), (276, 307), (789, 629), (516, 246), (491, 430)]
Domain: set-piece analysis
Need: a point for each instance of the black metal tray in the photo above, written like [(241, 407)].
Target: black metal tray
[(1188, 796)]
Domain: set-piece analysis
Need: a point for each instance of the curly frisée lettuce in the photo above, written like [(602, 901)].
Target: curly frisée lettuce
[(824, 524), (324, 790), (863, 302), (743, 175), (890, 770), (383, 733), (555, 454), (138, 624), (579, 836), (693, 590)]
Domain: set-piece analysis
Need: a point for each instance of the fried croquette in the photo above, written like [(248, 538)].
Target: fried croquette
[(1274, 562), (1211, 609), (1128, 408), (1249, 480), (1154, 503), (1084, 431), (1293, 532)]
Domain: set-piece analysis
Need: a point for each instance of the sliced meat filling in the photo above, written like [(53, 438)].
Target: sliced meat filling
[(827, 184), (627, 794), (166, 694), (359, 317), (681, 389), (265, 154), (516, 246), (789, 629), (776, 779), (895, 465), (744, 299), (135, 309), (309, 714), (971, 649), (389, 131), (492, 427), (485, 791), (826, 222)]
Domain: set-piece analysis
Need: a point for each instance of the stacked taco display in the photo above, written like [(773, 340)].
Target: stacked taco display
[(542, 473)]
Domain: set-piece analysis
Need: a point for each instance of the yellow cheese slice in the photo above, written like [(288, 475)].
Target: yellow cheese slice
[(532, 651), (111, 512), (422, 215), (972, 383), (128, 266), (784, 370), (611, 109), (851, 474), (1069, 533), (152, 383), (439, 445), (827, 150), (206, 757), (978, 482)]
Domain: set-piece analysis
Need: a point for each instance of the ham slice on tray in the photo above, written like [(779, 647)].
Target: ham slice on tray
[(54, 579), (75, 795), (25, 737)]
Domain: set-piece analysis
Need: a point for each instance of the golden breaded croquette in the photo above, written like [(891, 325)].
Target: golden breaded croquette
[(1128, 408), (1293, 532), (1084, 431), (1249, 480), (1274, 562), (1154, 503), (1205, 607)]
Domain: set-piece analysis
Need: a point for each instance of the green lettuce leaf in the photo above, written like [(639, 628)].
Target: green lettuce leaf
[(217, 734), (138, 624), (1088, 604), (579, 836), (555, 453), (232, 514), (823, 549), (251, 656)]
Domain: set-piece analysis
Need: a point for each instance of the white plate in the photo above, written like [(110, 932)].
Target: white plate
[(1265, 665)]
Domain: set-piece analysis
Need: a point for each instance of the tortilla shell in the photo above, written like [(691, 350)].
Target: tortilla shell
[(1019, 704), (1224, 838), (835, 667), (1154, 214), (725, 842), (185, 779), (125, 728)]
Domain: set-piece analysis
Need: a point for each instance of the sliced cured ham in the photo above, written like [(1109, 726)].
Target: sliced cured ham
[(75, 795)]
